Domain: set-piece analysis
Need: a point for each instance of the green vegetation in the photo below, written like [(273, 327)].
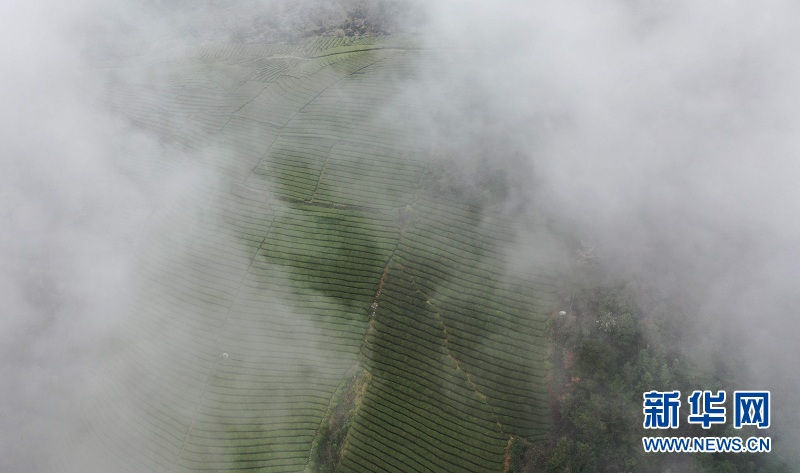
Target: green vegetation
[(615, 343), (326, 452), (335, 299), (341, 296), (320, 303)]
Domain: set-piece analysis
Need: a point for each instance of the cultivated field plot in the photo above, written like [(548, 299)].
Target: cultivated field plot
[(312, 252)]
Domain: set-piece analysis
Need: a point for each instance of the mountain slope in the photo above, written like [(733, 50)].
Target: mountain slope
[(317, 247)]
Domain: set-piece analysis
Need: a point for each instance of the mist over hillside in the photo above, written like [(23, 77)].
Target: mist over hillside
[(665, 133), (662, 135)]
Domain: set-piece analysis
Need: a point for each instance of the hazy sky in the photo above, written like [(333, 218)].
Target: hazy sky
[(666, 132), (69, 218)]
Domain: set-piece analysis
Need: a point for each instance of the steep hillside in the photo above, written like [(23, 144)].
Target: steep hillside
[(325, 299)]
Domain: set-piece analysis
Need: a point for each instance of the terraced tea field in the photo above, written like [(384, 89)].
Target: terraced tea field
[(317, 279)]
